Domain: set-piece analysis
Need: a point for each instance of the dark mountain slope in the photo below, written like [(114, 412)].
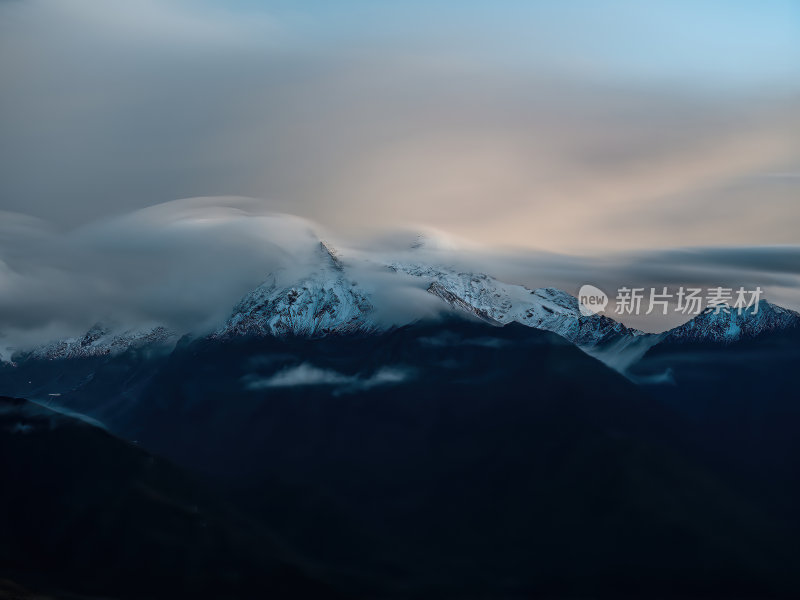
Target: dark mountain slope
[(742, 401), (457, 459), (85, 513)]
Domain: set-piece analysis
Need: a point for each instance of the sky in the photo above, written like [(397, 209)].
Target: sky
[(605, 132)]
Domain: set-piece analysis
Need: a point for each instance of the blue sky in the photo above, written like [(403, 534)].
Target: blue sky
[(706, 42)]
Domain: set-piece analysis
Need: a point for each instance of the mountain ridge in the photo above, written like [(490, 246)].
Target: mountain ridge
[(726, 324), (325, 300)]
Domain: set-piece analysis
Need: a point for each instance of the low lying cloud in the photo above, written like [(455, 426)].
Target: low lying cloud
[(307, 374)]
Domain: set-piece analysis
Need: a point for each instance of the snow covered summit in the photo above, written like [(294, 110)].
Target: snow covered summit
[(729, 324), (320, 303), (102, 340), (497, 302)]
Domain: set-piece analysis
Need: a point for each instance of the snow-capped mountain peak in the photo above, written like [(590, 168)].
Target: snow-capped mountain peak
[(329, 256), (727, 324), (322, 302), (102, 340), (491, 300)]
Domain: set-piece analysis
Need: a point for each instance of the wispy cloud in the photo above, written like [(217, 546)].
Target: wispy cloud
[(306, 374), (183, 263), (360, 117)]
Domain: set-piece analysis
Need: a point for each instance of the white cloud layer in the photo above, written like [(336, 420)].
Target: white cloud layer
[(306, 374)]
